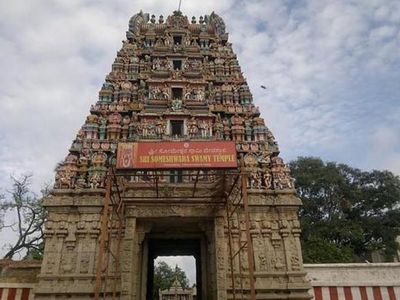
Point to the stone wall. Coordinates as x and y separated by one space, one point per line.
372 281
377 281
18 279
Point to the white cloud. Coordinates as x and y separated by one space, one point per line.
56 56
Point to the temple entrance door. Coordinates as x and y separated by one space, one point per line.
173 247
189 240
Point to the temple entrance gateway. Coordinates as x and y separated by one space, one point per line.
182 219
174 157
188 240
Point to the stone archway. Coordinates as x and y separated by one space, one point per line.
174 236
158 246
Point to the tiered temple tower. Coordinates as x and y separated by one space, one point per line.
174 80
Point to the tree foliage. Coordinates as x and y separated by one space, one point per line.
164 277
24 214
347 213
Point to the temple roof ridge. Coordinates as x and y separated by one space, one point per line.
177 19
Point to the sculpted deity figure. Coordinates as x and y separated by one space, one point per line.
270 137
203 128
281 174
134 126
160 127
236 97
151 129
168 41
95 181
194 43
218 96
193 128
91 127
165 93
71 160
125 127
200 95
218 128
236 120
99 159
254 146
83 163
267 179
103 128
255 179
237 127
272 144
248 129
187 41
142 91
227 129
81 182
159 42
176 74
226 88
154 93
64 179
191 95
144 126
114 127
283 181
156 64
264 158
176 105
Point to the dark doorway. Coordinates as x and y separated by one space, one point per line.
177 64
177 40
173 247
177 93
177 128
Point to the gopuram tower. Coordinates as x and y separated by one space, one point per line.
173 159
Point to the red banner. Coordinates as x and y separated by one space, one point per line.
177 155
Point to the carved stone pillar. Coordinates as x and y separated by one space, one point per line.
220 257
129 259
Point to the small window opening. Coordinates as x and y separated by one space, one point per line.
177 64
177 93
177 40
177 128
175 176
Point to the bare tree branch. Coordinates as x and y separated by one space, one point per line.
30 217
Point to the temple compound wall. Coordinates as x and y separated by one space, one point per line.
18 279
354 281
72 236
371 281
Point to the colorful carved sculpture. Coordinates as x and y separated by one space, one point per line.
142 90
175 79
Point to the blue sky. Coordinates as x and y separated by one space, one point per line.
331 68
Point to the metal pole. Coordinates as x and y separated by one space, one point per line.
230 247
240 256
195 182
250 254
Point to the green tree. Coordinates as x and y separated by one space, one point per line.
164 277
347 213
26 214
